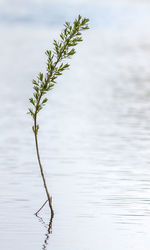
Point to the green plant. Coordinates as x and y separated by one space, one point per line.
56 64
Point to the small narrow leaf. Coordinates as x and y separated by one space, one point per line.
41 77
32 101
44 101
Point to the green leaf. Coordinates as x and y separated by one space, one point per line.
31 112
66 66
32 101
36 88
71 52
34 82
41 77
44 101
36 95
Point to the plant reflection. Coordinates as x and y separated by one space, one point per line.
49 230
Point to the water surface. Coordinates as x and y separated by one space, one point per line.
94 134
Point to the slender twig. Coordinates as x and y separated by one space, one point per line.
41 207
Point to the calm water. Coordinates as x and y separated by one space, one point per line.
94 132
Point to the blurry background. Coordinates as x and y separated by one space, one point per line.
94 132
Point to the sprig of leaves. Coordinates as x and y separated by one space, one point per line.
63 49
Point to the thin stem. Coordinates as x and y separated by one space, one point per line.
41 207
42 172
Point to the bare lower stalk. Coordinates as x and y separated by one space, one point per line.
42 174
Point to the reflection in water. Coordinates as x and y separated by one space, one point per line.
49 230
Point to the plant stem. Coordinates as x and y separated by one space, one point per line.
41 207
42 172
63 49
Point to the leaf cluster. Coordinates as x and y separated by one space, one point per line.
64 48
